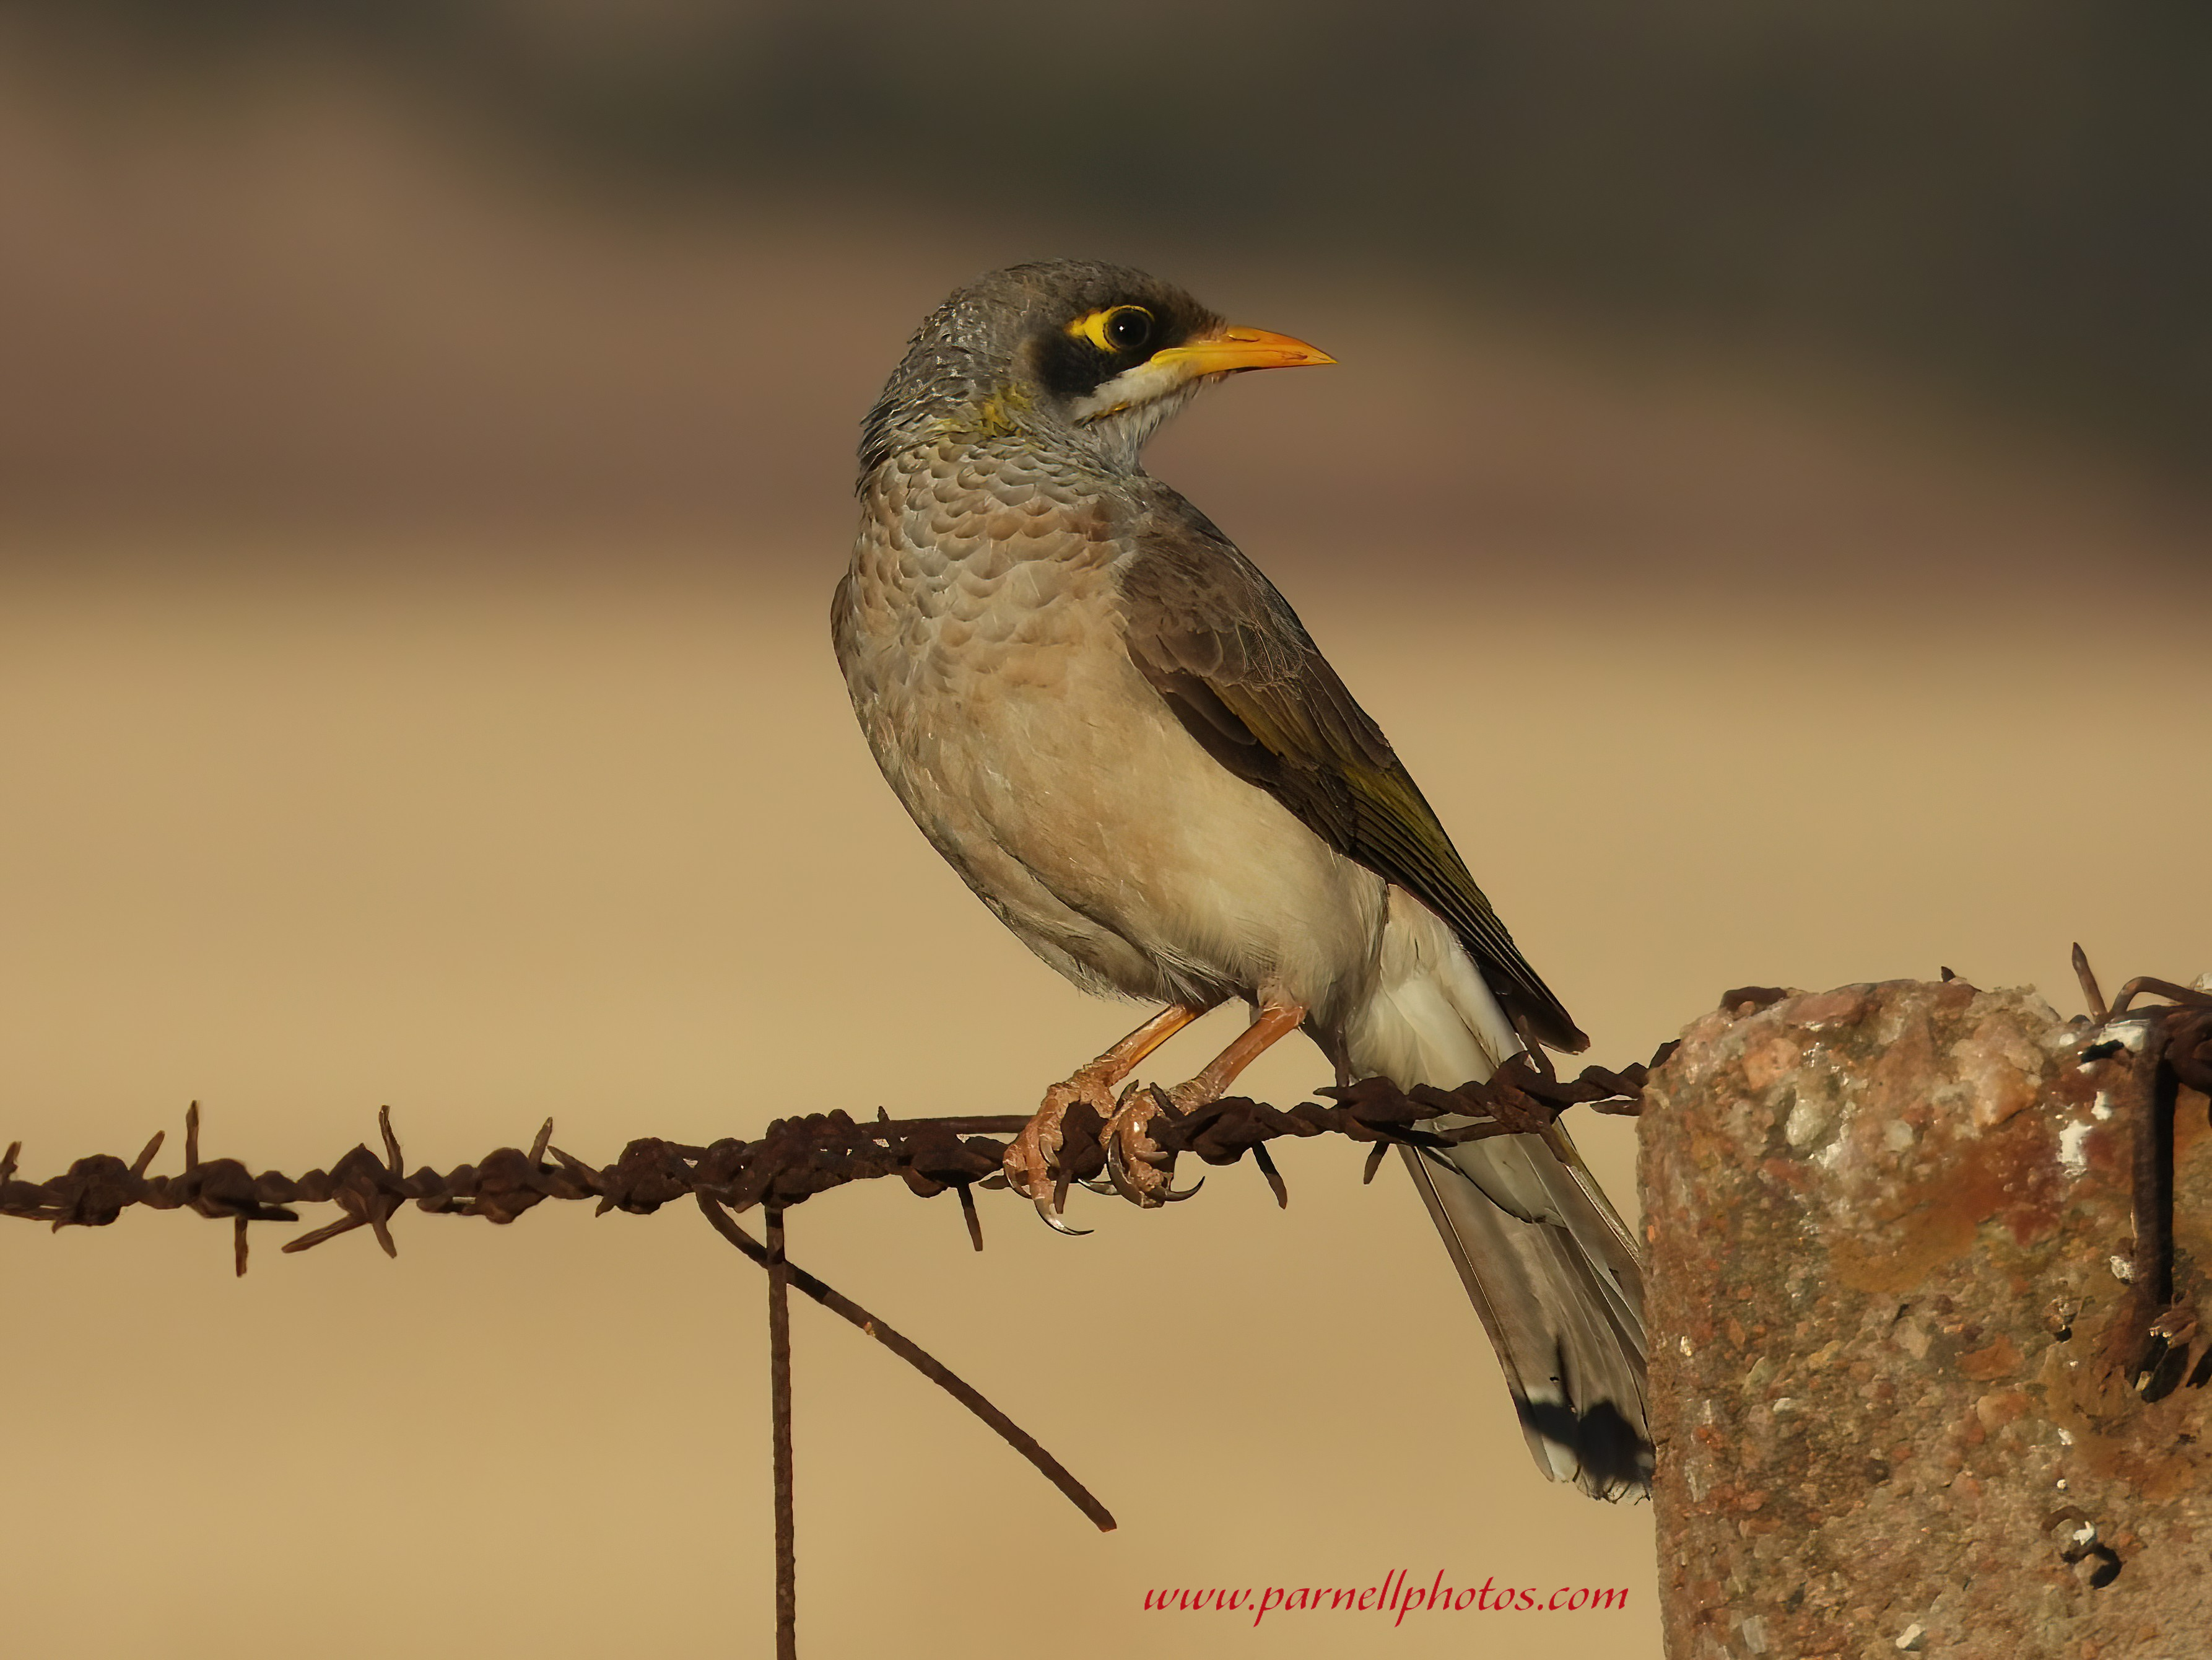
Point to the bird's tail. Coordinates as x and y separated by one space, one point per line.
1554 1271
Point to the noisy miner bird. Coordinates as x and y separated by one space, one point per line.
1122 737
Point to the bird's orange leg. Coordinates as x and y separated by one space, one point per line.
1132 1159
1031 1162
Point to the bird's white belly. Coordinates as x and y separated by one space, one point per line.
1043 765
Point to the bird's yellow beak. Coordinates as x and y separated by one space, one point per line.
1229 348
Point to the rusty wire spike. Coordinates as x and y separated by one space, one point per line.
1274 1177
569 1162
1374 1162
191 1138
391 1159
331 1231
967 1211
2092 997
537 1147
238 1244
8 1163
145 1156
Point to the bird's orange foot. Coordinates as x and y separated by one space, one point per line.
1141 1172
1032 1163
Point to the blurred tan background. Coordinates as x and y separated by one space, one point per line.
1762 495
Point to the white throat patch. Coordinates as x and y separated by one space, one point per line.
1147 383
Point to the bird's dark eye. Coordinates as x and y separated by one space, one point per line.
1129 327
1119 329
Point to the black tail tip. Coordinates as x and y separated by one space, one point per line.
1612 1456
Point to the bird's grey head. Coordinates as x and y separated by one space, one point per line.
1071 354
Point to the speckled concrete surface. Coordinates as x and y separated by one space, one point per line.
1889 1225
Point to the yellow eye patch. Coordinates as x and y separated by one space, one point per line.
1117 329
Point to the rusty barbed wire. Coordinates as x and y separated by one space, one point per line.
792 1160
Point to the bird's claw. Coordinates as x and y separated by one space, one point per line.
1047 1191
1032 1161
1171 1194
1117 1178
1050 1208
1138 1168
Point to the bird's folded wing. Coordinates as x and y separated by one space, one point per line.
1231 658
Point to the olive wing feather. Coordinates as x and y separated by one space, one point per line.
1230 657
